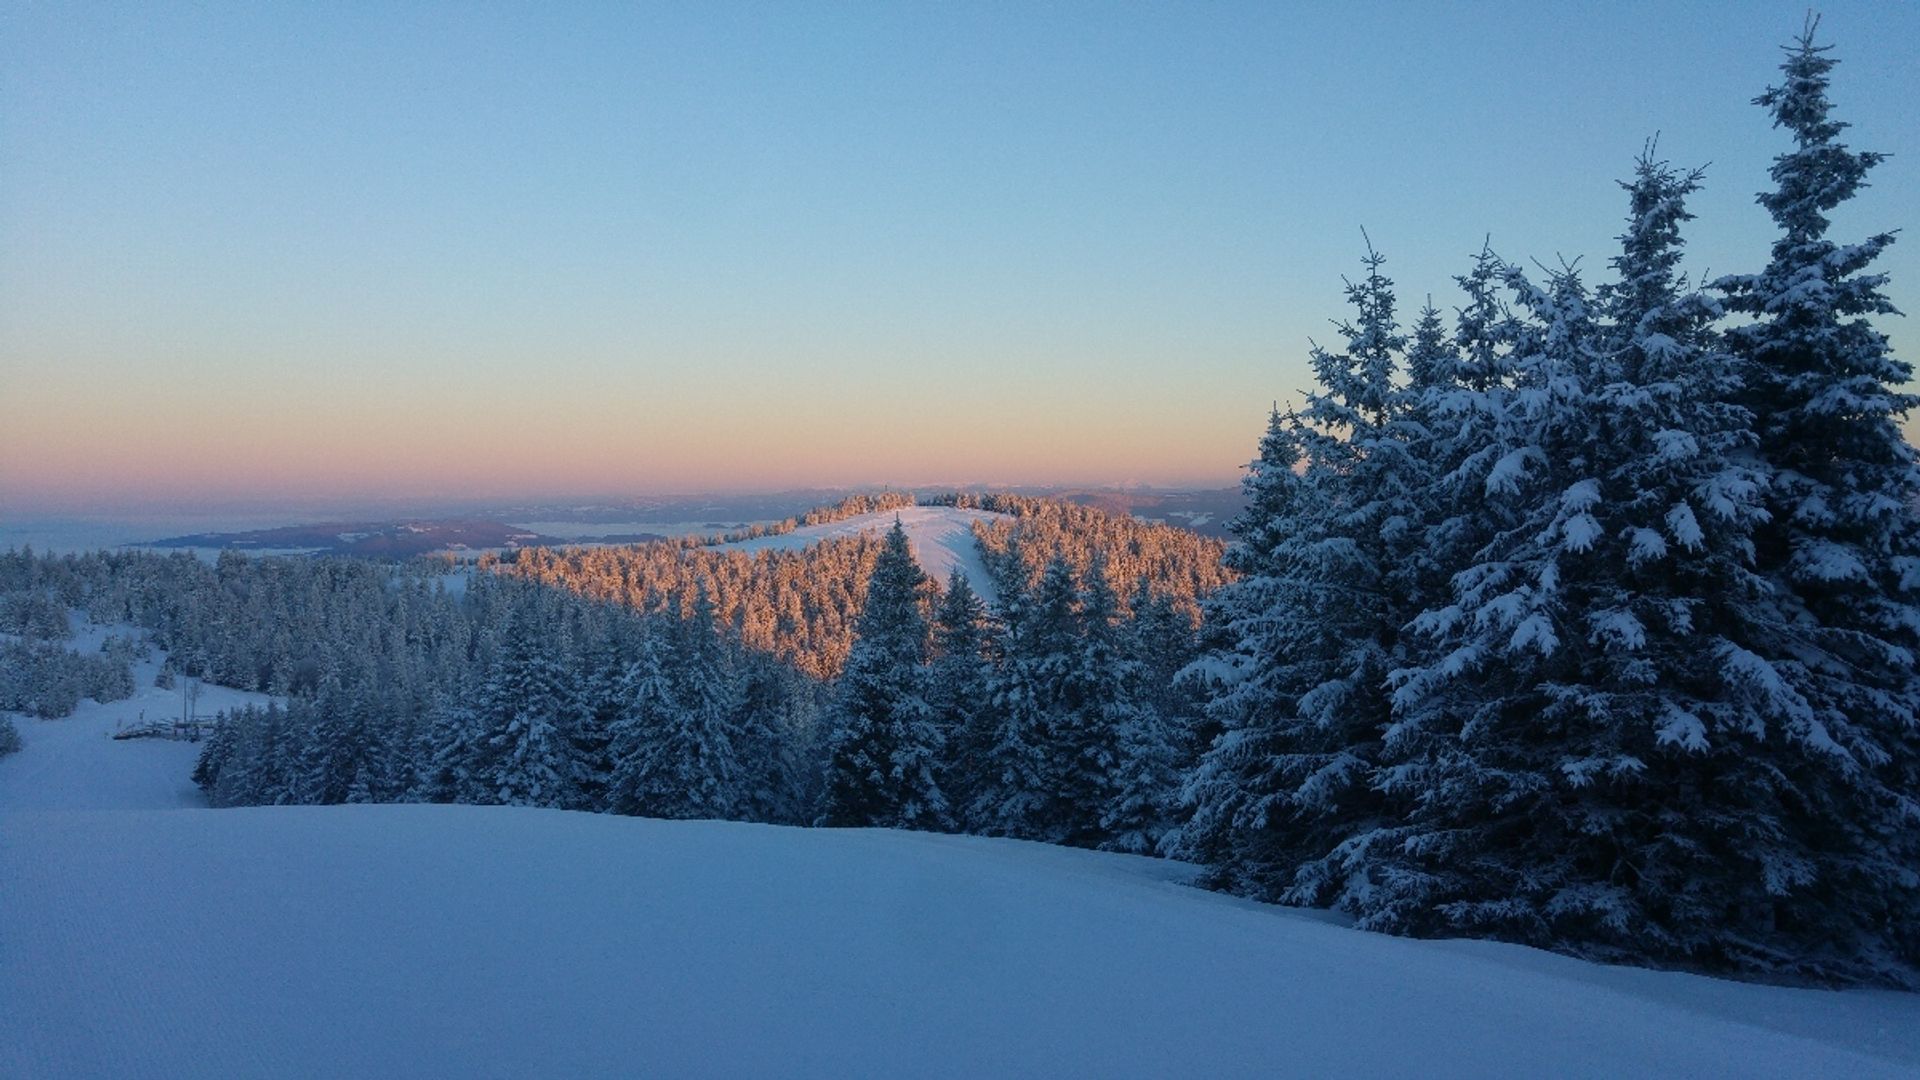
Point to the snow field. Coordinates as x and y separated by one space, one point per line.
484 941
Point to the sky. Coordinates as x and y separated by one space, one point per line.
381 251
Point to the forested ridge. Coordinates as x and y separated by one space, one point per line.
801 605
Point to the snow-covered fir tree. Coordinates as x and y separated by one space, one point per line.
445 773
1332 558
1100 719
886 743
521 756
600 700
344 755
678 758
1842 547
774 710
1152 728
646 702
957 687
1010 793
1046 661
1596 705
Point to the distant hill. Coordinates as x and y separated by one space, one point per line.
378 540
1205 512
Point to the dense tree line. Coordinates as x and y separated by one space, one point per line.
560 703
799 605
33 614
48 680
1167 560
1052 716
851 506
1590 620
39 674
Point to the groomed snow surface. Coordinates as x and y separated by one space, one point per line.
941 538
445 941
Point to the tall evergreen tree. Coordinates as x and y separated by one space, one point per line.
1011 790
1334 558
1100 720
1595 705
647 703
886 744
687 763
1141 712
957 687
343 749
521 756
446 774
1843 545
599 703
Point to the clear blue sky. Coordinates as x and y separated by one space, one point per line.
502 249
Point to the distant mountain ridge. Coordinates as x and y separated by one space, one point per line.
641 520
375 540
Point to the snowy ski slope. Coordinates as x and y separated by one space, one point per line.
941 538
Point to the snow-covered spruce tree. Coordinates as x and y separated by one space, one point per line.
1011 792
262 768
646 696
1598 752
344 754
1099 783
886 745
1142 712
599 702
957 687
1240 674
679 758
1163 640
215 752
767 718
445 773
521 756
1537 701
1843 544
1332 558
1046 660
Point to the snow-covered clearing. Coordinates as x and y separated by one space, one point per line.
75 764
448 941
941 538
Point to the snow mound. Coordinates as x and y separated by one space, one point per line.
941 538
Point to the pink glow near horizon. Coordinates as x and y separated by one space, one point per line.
54 458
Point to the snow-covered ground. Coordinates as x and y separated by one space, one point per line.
75 764
941 538
445 941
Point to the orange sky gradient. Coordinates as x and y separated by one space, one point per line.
379 253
